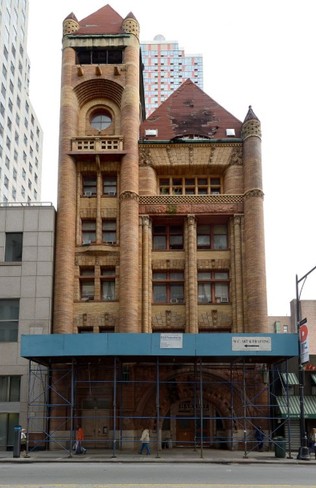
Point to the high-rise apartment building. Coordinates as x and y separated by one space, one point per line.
20 132
166 67
160 313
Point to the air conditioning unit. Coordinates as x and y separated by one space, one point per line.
88 193
86 242
110 242
111 193
224 300
173 300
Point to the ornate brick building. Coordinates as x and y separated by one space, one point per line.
159 231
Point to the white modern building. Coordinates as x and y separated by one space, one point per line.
20 132
27 234
166 67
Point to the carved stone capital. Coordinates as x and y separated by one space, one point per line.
255 192
129 195
191 220
146 221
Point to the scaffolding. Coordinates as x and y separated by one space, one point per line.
196 403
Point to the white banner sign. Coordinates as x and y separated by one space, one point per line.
171 341
251 344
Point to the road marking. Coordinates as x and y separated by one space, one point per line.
152 485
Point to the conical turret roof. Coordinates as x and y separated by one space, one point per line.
250 115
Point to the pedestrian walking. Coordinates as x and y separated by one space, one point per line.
23 443
259 438
79 438
145 440
313 441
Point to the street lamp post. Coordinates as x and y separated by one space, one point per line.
303 452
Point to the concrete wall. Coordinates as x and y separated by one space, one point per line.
30 281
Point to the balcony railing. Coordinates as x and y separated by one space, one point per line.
190 199
97 144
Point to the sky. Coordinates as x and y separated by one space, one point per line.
255 52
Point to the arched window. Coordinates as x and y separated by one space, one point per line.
100 120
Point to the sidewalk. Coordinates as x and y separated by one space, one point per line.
173 455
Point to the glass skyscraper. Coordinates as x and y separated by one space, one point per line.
20 132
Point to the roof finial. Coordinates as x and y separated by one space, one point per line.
250 115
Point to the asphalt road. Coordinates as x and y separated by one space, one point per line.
151 475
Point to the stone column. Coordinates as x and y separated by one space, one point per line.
238 274
98 215
146 273
255 272
191 276
129 199
66 203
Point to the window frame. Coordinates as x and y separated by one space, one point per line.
109 185
88 234
89 185
211 235
13 240
107 278
170 284
109 235
9 319
87 283
168 233
10 388
184 185
208 287
98 56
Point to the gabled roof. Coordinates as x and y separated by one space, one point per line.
189 112
104 21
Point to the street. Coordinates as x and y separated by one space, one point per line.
135 475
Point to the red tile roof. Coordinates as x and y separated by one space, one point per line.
104 21
190 112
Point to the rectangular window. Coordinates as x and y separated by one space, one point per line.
109 231
108 284
110 185
212 236
166 237
13 246
190 186
9 320
88 231
99 56
87 283
85 330
10 388
213 287
89 185
168 287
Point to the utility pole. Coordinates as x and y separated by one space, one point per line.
303 452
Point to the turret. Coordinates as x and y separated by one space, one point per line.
255 275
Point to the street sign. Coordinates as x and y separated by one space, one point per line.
251 344
304 345
302 322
